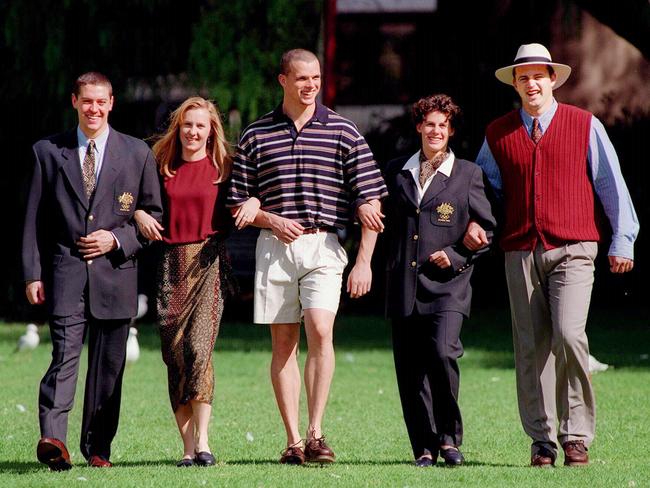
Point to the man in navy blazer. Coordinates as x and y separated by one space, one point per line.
79 259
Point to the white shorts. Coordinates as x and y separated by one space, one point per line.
292 277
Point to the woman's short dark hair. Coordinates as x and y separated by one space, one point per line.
436 103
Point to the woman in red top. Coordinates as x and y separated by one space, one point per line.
193 273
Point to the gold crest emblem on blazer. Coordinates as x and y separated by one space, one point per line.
125 200
444 212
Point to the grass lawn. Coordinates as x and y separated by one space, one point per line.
363 422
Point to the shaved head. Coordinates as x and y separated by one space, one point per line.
295 55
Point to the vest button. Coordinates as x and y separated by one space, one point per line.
414 264
417 211
91 218
416 237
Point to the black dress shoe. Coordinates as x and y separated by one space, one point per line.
185 463
424 462
204 458
452 456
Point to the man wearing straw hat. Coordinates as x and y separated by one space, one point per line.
556 173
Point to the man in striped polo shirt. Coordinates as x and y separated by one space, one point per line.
311 170
554 166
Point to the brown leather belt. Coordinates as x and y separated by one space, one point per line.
316 230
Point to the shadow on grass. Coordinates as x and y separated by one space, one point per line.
21 467
343 462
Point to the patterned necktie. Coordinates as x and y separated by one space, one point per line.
536 133
89 169
430 166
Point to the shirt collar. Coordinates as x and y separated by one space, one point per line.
445 168
544 119
320 113
100 141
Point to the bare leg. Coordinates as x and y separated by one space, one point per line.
202 412
285 376
319 366
186 427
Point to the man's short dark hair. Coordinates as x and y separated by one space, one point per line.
436 103
295 55
92 78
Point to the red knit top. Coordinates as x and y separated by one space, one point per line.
195 206
548 192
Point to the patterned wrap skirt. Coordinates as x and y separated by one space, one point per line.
193 282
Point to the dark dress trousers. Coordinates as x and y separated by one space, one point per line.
86 297
427 304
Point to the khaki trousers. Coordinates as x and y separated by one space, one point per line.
549 294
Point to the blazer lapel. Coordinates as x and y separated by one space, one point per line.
438 183
111 166
71 168
407 185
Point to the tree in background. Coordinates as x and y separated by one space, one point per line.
236 49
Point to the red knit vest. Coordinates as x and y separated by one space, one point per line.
548 192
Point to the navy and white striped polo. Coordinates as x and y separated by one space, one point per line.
311 176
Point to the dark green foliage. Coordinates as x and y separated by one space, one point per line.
237 46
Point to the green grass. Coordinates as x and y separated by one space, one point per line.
363 422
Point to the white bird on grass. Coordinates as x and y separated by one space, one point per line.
29 340
596 366
142 306
132 346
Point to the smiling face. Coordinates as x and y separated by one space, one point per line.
534 85
435 132
301 84
93 103
194 132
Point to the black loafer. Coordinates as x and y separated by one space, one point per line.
424 462
204 458
452 457
185 463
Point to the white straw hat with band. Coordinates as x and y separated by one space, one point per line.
533 54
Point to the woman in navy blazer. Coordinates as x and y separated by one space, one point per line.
432 198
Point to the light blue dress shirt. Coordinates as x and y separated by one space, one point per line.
605 173
100 149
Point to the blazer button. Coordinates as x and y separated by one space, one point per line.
417 211
91 217
414 264
416 237
90 261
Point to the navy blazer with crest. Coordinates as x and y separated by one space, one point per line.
417 229
59 213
